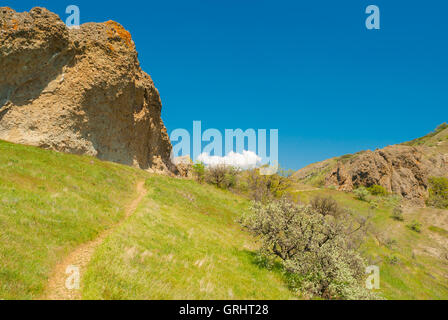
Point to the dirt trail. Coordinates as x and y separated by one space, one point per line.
80 257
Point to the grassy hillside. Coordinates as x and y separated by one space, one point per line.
50 203
183 241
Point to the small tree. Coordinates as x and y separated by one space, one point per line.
221 175
325 206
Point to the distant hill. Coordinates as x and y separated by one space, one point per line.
402 169
438 138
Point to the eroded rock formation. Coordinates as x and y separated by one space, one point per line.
79 91
400 169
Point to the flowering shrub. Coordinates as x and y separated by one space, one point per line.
320 250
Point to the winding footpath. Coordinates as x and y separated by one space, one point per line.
80 257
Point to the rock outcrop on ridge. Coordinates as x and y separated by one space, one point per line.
79 91
402 169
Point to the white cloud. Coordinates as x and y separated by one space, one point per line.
245 160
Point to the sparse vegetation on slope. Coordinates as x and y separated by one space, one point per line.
314 174
438 135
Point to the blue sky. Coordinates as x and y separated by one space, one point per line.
310 69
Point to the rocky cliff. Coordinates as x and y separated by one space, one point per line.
401 169
80 91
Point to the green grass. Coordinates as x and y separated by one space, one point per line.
182 243
49 203
406 270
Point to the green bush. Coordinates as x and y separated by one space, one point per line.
199 171
361 193
377 190
438 192
415 226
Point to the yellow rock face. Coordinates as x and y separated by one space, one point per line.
79 91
